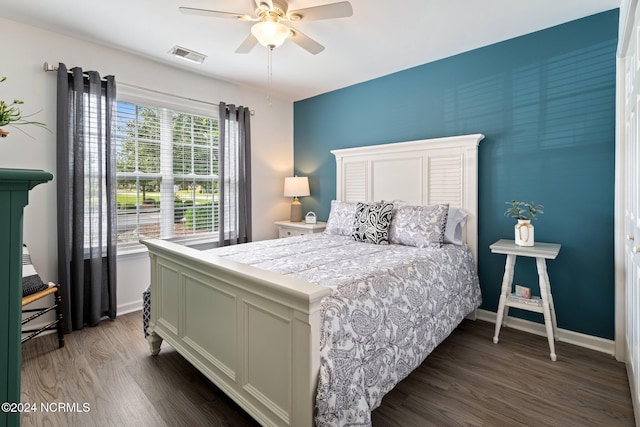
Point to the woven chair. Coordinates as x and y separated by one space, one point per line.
33 289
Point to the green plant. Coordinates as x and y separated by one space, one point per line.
11 115
199 217
523 210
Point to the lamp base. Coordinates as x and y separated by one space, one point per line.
296 211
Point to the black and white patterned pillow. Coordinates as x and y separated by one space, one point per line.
146 310
419 226
31 281
371 223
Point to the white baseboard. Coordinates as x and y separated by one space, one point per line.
564 335
129 307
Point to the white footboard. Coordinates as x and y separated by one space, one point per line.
253 333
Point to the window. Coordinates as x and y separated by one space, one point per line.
166 173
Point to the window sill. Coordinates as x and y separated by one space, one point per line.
132 252
139 250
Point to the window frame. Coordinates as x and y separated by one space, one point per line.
149 98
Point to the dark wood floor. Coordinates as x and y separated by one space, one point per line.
467 381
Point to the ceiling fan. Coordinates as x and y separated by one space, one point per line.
269 29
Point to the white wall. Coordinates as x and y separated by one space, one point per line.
26 48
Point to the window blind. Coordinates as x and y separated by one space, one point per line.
167 173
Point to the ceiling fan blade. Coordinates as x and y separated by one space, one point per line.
215 13
342 9
305 42
264 4
249 43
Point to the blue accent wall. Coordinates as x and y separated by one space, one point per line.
546 104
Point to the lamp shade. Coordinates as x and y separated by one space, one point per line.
270 33
296 186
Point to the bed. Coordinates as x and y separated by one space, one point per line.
279 344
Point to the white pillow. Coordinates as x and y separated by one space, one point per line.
455 221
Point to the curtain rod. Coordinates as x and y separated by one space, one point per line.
49 67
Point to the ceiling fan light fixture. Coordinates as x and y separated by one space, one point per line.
270 34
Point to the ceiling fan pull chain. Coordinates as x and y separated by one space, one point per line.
269 74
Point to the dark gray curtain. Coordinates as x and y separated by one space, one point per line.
87 229
234 185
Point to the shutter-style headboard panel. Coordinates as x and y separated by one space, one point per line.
355 174
428 171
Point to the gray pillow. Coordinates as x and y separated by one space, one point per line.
341 217
419 226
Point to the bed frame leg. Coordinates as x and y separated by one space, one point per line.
155 341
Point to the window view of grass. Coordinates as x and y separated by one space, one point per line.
130 199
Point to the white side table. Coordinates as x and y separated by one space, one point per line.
541 252
288 228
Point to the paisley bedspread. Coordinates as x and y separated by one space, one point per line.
390 306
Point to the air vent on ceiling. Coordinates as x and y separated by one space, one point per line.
187 55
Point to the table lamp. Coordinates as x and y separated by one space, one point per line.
296 186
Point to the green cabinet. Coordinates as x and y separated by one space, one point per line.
14 196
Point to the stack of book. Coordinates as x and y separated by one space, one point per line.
522 295
528 301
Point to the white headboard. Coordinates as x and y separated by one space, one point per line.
428 171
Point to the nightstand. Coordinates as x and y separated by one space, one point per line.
541 252
288 228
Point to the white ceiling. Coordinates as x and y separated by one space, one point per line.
380 38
